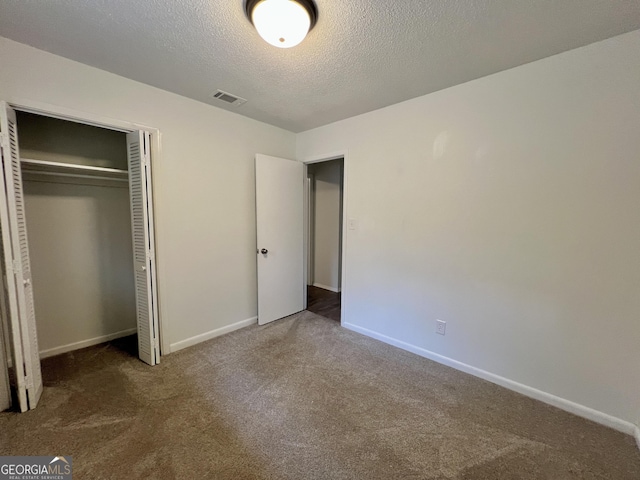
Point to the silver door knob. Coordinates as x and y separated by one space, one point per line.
264 251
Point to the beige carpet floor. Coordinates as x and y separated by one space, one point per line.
300 399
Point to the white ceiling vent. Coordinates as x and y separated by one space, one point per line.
229 98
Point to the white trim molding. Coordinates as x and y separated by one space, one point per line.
326 287
64 113
203 337
51 352
561 403
637 435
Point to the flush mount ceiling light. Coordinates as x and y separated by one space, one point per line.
282 23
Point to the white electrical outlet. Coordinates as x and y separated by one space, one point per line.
441 327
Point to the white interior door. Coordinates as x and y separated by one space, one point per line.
17 268
138 151
280 189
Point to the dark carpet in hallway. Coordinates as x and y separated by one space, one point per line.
301 398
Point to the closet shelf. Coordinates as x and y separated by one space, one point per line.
42 167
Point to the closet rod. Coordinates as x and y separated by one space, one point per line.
76 175
43 167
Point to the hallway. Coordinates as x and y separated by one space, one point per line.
323 302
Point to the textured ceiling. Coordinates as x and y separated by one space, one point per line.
362 54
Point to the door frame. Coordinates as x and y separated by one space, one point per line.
344 155
309 195
63 113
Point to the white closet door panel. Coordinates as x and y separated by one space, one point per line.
17 266
143 246
11 321
5 389
152 278
4 298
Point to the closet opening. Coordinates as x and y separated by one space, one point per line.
76 192
77 243
324 192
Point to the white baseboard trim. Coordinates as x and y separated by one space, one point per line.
637 435
203 337
51 352
566 405
325 287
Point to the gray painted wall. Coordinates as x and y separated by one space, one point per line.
205 249
508 207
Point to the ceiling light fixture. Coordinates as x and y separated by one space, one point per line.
282 23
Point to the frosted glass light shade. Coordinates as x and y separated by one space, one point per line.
282 23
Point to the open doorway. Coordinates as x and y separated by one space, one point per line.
325 192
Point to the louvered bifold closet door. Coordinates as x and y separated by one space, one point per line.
17 268
9 297
5 390
138 144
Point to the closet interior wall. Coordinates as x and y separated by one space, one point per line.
79 232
